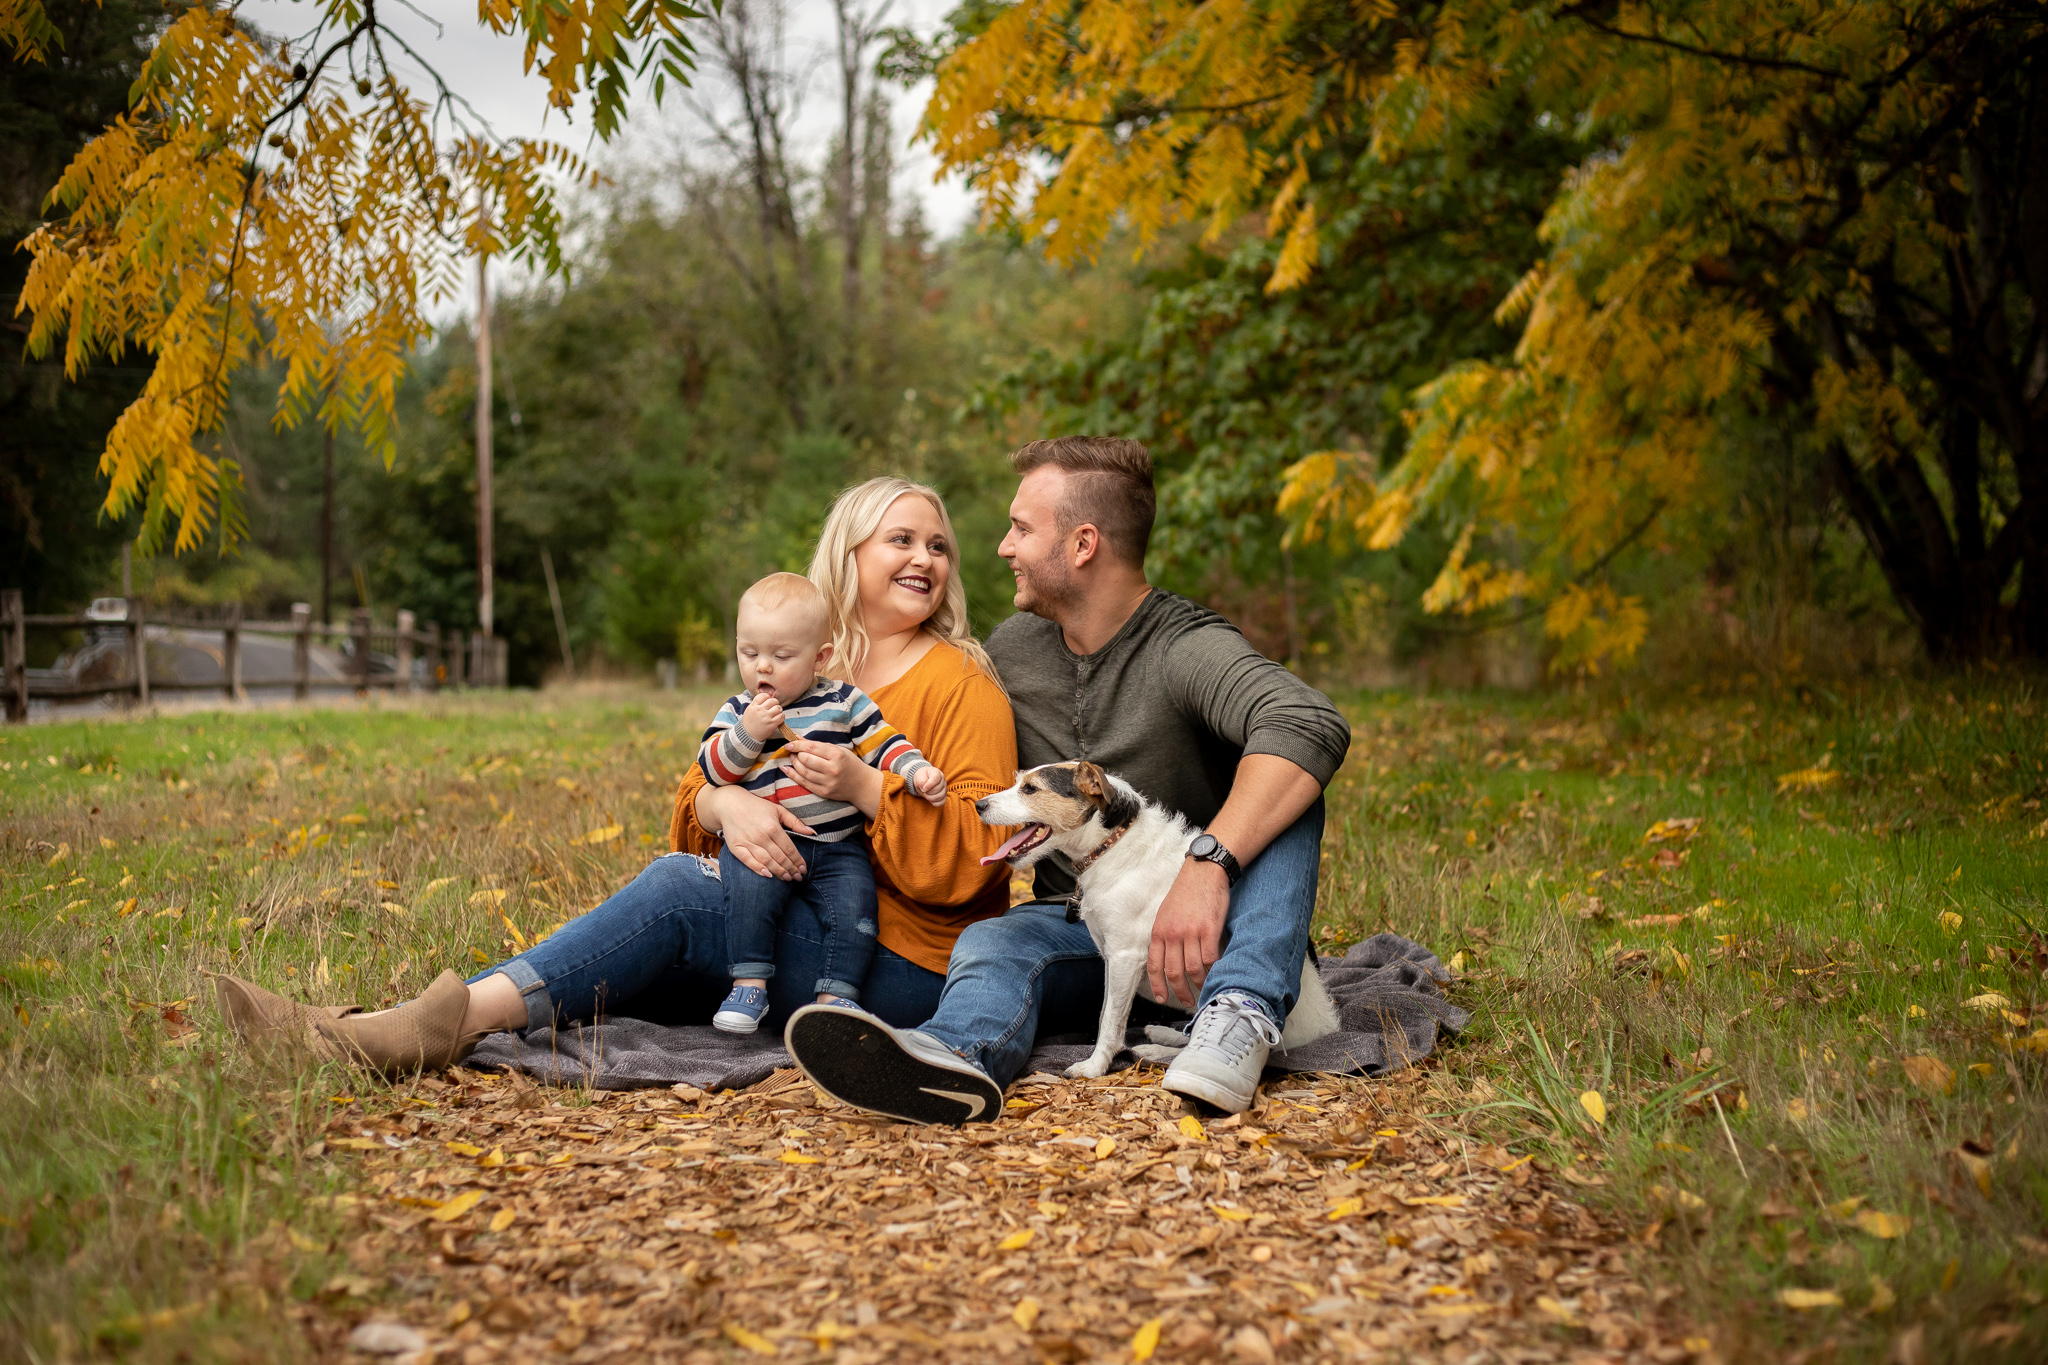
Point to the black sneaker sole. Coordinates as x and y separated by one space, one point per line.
855 1059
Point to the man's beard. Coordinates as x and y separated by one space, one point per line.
1046 587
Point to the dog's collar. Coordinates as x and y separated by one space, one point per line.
1074 897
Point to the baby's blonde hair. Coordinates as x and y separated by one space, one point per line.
857 514
792 590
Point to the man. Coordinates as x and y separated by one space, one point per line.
1166 694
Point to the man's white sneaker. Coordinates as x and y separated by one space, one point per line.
1225 1055
859 1060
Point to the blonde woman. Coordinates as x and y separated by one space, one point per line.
888 564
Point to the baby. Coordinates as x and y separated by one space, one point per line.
785 643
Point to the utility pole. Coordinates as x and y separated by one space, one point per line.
483 443
327 534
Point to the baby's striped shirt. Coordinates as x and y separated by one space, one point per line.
831 712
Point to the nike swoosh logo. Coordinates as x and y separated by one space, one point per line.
978 1102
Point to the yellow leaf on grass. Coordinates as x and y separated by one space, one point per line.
1808 779
1846 1207
391 907
1929 1073
464 1148
502 1219
1915 1012
1230 1215
1881 1296
1344 1208
358 1144
1191 1127
1979 1169
459 1205
1552 1308
1949 920
1983 1069
1804 1299
1146 1339
435 885
1025 1313
1884 1225
1594 1105
1016 1241
602 835
752 1341
797 1159
1104 1148
1989 1000
488 897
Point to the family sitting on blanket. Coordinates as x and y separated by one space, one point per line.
1096 664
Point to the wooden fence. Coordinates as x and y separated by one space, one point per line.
453 658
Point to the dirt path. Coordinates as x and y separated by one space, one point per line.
1092 1223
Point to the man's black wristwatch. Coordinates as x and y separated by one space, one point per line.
1208 850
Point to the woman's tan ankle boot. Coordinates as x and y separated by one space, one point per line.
424 1034
270 1024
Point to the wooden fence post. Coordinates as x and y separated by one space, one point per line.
138 646
404 652
231 653
359 642
501 656
14 670
437 663
302 649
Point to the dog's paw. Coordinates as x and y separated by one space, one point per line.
1092 1069
1166 1037
1155 1052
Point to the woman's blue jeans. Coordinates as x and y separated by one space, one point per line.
657 950
1032 974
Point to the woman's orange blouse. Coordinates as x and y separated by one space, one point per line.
929 881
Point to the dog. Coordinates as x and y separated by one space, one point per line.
1126 852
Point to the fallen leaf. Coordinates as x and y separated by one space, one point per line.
1552 1308
459 1205
1929 1073
502 1219
1439 1201
1798 1110
1025 1313
1949 920
1104 1148
1344 1208
1016 1241
752 1341
488 897
493 1160
392 907
1146 1339
797 1159
1979 1170
1844 1208
1989 1000
1594 1105
1230 1215
1191 1127
463 1148
1884 1225
1881 1296
603 835
1804 1299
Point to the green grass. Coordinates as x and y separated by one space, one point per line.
1748 1056
157 1202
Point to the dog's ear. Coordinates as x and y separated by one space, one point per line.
1092 783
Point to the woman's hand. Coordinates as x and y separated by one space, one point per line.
836 773
756 831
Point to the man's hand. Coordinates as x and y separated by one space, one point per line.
762 715
1187 936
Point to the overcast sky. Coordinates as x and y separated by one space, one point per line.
485 69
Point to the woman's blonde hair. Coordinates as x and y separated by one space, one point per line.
856 515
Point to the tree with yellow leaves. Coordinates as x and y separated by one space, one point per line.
297 201
1828 216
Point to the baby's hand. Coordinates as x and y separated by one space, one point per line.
931 785
762 716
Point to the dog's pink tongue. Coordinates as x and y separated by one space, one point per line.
1009 845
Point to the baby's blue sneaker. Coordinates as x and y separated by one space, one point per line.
742 1010
840 1002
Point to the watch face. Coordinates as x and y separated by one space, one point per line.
1203 846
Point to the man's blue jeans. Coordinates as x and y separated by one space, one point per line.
1031 973
657 950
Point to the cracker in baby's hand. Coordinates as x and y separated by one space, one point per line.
787 733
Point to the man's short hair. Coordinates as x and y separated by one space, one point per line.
795 592
1109 484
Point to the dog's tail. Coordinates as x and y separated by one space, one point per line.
1315 1013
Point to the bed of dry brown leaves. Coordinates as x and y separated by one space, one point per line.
1095 1221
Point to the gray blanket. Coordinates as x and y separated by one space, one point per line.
1386 989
